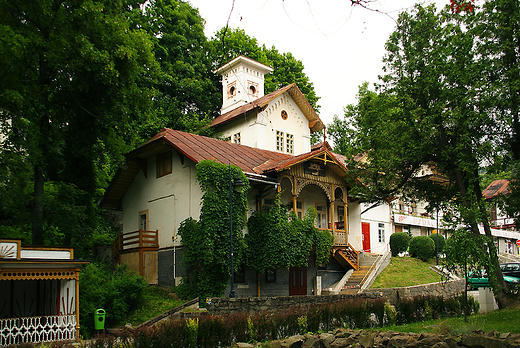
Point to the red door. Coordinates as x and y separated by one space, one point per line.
297 281
365 229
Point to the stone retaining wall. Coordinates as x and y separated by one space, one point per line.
224 305
445 289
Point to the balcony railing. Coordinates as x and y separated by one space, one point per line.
37 329
136 240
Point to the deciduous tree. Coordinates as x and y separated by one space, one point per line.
430 112
76 78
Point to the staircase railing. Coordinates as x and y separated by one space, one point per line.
349 255
372 272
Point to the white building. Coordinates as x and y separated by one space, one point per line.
268 138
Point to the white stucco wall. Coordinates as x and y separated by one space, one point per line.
259 130
375 216
355 238
169 200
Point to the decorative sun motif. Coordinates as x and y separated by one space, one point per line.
6 251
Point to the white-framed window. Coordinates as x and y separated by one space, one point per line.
290 143
381 232
236 138
279 140
143 220
321 216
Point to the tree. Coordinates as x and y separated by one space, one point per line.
429 112
498 30
188 95
76 78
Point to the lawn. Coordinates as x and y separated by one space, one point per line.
406 271
504 320
157 300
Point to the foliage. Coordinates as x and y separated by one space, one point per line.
156 300
439 242
225 330
74 67
399 242
207 241
188 96
462 250
278 239
421 308
434 110
422 247
116 290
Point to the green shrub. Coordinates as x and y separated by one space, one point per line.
399 242
116 290
441 241
422 248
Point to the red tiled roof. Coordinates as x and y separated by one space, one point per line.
262 102
198 148
497 187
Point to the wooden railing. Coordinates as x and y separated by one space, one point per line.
347 256
137 239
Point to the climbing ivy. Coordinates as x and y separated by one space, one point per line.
207 242
275 238
278 239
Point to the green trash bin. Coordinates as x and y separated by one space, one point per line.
99 319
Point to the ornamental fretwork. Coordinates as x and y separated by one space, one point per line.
37 329
302 182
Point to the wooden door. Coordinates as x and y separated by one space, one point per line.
297 281
365 229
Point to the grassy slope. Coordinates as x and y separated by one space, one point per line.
405 271
157 300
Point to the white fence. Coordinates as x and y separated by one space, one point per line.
37 329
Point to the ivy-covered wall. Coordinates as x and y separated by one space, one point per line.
275 239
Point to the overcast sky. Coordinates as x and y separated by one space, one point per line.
339 45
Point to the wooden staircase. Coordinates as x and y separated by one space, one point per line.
347 256
359 276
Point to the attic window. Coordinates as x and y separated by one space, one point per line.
231 90
284 115
252 88
164 164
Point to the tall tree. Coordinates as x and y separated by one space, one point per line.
75 79
499 32
188 97
429 113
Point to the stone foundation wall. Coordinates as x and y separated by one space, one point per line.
224 305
